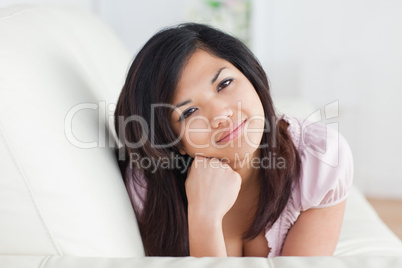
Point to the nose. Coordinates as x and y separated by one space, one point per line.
221 117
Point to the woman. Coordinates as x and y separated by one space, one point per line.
211 169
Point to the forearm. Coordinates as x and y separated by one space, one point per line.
205 236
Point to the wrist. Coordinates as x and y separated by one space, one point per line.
205 216
205 233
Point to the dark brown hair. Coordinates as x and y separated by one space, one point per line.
152 79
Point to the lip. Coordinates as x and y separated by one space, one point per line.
232 134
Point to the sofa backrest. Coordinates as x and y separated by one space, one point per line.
61 192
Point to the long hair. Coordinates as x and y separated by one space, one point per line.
152 79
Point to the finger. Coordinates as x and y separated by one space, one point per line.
224 165
214 160
199 161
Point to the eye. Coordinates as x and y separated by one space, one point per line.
187 113
224 83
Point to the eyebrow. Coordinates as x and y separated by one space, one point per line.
217 75
212 82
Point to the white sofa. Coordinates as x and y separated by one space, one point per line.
62 199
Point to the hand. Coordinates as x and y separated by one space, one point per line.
212 188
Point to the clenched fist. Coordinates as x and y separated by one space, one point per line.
212 188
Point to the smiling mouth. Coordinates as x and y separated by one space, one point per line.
233 134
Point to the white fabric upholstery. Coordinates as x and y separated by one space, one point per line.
155 262
61 193
186 262
363 233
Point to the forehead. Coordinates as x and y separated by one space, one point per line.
198 72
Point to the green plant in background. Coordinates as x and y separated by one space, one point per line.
213 4
232 16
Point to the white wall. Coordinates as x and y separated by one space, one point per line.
348 51
317 50
134 21
85 4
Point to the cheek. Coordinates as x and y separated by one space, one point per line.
254 130
255 110
249 98
255 103
197 132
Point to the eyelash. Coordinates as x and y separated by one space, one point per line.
222 85
225 83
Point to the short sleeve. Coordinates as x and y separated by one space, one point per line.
326 166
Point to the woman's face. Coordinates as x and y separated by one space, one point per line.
219 113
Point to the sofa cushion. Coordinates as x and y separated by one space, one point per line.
61 192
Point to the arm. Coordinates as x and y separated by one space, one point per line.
205 236
315 232
211 191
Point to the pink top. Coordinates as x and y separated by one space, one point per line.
326 176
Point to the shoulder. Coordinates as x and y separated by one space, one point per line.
326 164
